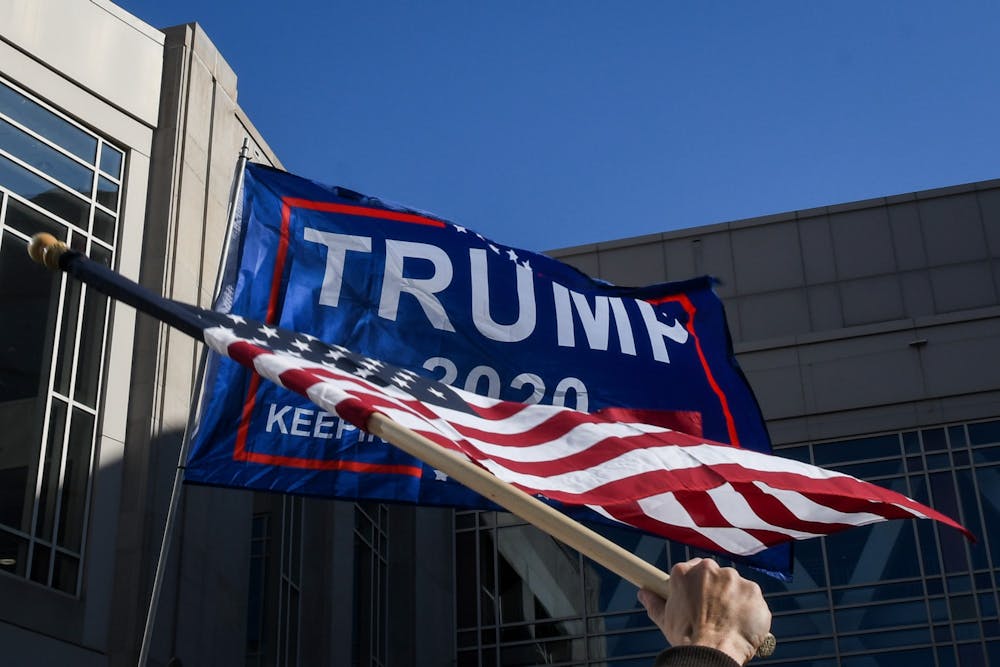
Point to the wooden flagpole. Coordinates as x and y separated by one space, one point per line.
596 547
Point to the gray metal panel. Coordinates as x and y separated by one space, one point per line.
869 300
767 257
773 314
989 205
918 297
862 243
634 265
952 229
817 250
825 309
962 357
679 259
907 235
962 287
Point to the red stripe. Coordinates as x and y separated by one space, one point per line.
734 438
630 513
363 211
703 511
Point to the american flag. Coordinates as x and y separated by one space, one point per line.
706 494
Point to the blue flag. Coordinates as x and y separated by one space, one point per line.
439 299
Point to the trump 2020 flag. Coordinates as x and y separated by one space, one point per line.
446 303
646 476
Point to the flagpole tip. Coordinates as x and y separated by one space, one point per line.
46 250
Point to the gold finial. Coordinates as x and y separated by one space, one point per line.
46 250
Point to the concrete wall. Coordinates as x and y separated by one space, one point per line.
848 319
63 52
202 614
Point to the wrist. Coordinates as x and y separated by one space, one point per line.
733 644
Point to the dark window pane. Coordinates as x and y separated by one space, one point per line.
938 462
986 454
64 577
46 159
465 579
50 470
30 222
956 436
934 439
878 593
879 640
75 480
13 553
91 343
104 226
873 617
872 554
28 297
107 194
47 195
111 161
881 446
100 254
984 433
44 122
911 442
67 336
40 564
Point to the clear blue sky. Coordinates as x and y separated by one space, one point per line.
546 124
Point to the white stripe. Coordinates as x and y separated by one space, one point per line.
666 508
737 511
808 510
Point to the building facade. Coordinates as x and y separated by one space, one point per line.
870 332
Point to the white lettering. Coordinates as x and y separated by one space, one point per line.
321 429
337 246
492 381
301 421
342 426
423 289
275 416
537 387
596 323
659 330
481 316
579 391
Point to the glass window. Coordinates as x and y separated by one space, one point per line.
48 414
112 160
40 120
45 158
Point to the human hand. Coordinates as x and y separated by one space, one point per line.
711 606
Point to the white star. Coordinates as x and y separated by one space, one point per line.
335 354
400 381
494 249
236 318
372 364
440 476
363 373
512 255
268 331
481 237
436 392
300 344
526 265
309 336
460 229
